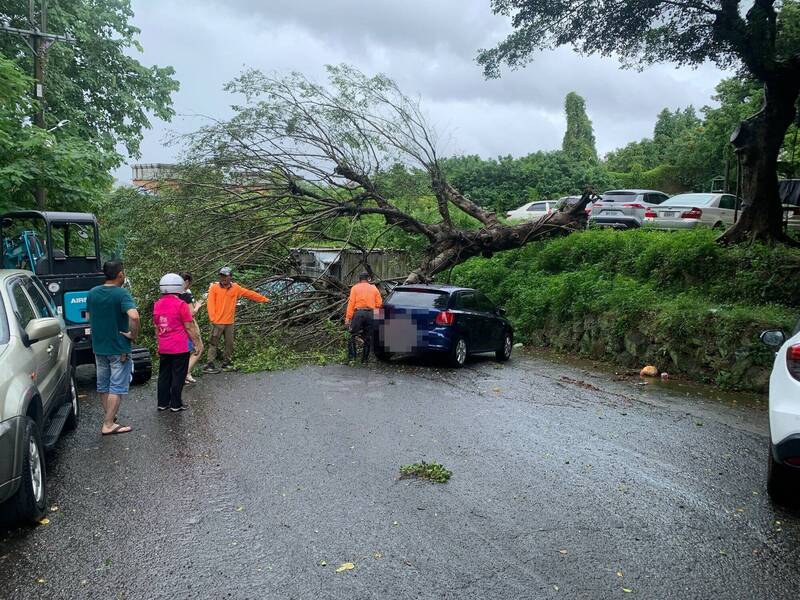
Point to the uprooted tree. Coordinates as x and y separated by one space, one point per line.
762 37
300 157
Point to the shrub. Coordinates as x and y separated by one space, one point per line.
675 298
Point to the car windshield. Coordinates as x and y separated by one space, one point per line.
689 200
418 299
537 206
621 197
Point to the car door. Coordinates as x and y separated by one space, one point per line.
44 307
467 320
491 329
42 355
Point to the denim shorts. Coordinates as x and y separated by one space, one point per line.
113 375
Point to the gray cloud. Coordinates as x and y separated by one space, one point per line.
428 47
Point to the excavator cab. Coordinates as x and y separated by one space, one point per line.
63 250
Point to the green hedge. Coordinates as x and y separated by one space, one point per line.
674 299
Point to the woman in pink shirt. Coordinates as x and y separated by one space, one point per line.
175 326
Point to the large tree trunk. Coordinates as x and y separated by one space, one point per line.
757 143
457 246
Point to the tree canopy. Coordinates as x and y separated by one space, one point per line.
686 32
96 83
74 169
579 143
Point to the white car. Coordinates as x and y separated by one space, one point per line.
533 210
686 211
783 479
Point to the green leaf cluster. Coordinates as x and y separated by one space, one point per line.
423 470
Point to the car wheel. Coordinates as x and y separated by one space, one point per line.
72 398
28 504
504 352
382 355
458 352
782 483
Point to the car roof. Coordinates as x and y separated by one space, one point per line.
6 273
635 191
702 194
428 287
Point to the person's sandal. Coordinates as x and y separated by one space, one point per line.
190 379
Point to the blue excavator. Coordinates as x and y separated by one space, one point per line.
63 250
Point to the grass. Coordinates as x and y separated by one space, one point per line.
424 470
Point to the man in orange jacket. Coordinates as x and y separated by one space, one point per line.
364 300
221 303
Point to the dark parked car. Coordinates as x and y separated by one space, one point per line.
447 320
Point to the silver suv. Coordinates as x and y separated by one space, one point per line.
38 399
623 209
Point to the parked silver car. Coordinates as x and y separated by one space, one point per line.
532 210
38 399
686 211
623 209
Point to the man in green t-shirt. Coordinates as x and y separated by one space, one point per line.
115 323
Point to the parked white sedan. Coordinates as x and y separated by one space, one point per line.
783 478
533 210
685 211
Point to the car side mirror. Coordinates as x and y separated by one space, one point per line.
41 329
500 311
774 338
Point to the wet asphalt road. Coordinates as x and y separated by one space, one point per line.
565 484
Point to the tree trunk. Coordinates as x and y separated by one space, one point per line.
461 245
757 142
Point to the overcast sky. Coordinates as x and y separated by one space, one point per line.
427 46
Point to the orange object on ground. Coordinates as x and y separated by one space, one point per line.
362 295
221 302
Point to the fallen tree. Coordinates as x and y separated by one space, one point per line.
298 158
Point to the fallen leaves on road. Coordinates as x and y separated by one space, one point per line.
627 590
323 563
348 566
562 551
40 580
579 383
377 555
44 521
620 574
239 508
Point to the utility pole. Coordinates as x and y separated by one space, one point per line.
38 40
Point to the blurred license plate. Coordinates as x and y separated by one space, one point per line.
668 214
612 213
87 331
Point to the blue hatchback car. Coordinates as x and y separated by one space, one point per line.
450 321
